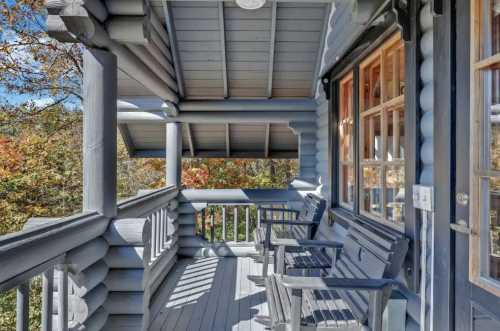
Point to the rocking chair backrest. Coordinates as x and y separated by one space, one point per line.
312 211
369 252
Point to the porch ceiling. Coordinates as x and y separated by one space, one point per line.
248 140
206 52
226 51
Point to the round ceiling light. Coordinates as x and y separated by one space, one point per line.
250 4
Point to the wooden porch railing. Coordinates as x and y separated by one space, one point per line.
70 256
234 222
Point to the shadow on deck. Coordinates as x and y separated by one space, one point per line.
211 294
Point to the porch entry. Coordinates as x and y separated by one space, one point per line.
475 201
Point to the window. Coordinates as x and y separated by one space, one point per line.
485 192
346 142
380 122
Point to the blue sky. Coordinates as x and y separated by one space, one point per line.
7 34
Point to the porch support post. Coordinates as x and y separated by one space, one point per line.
174 154
99 131
306 132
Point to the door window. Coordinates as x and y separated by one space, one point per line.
485 96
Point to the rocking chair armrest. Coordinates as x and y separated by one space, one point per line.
307 243
279 210
332 283
287 222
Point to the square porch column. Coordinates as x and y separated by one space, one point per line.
99 131
174 154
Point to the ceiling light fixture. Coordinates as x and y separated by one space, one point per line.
250 4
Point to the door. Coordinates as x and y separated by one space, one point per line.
476 200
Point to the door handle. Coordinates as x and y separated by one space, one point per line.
461 227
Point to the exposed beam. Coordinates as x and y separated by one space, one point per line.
169 22
190 139
160 153
228 141
219 117
82 24
326 22
127 138
287 105
222 37
271 51
267 140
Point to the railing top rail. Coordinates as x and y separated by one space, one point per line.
25 250
44 229
240 196
143 197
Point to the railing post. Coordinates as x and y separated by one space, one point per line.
22 307
247 224
224 223
47 299
235 225
99 131
212 227
203 223
62 292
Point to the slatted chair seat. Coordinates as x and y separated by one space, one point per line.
308 259
320 308
354 294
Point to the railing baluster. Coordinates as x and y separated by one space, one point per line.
62 292
153 225
159 215
22 307
158 231
235 221
47 299
212 227
224 223
247 224
258 216
203 223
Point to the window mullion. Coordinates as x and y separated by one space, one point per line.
384 159
356 137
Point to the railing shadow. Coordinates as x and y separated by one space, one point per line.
210 294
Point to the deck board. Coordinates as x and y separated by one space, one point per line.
211 294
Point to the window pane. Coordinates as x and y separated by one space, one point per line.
394 72
395 135
491 28
372 193
347 184
395 191
346 121
493 79
371 89
494 228
372 132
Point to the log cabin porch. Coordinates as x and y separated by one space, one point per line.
345 87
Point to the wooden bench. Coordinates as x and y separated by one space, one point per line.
302 225
352 297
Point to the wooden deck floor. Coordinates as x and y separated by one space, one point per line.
212 294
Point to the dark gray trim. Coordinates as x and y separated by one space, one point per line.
462 148
444 175
333 143
412 143
355 158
